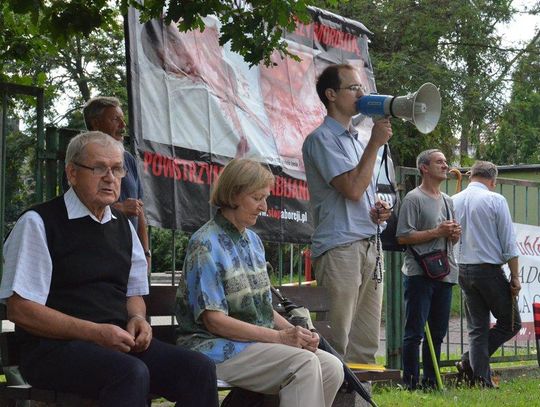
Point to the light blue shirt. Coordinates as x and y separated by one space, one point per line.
488 234
331 150
28 264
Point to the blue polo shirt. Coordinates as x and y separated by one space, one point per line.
331 150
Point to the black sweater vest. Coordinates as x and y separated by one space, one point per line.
90 264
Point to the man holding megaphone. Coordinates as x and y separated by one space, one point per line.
346 213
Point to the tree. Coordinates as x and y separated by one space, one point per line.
19 186
452 44
517 135
71 71
253 27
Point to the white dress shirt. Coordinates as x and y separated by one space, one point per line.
27 268
488 234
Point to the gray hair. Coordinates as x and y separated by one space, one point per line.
239 176
425 157
76 147
95 106
484 169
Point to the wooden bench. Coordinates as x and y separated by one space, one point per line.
160 308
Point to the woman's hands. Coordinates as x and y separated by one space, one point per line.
299 338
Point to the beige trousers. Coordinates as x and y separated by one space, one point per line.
300 377
355 303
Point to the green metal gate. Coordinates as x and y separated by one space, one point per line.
8 92
523 198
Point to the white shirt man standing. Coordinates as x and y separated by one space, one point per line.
488 241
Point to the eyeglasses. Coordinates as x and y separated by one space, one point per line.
354 88
99 171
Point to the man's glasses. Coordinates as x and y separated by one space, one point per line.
354 88
99 171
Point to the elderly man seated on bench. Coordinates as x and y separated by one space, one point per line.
74 275
224 306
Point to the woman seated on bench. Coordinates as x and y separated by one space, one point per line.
224 306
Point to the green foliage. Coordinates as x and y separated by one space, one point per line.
19 166
452 44
71 70
162 249
254 28
61 20
517 136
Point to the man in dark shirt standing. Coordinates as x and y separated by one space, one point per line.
104 114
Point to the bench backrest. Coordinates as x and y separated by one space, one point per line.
9 348
160 303
315 299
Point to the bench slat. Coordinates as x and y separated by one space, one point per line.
160 301
315 299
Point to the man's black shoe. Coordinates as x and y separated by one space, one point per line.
465 372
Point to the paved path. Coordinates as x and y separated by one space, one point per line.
454 336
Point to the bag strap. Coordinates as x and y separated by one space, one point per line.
446 206
384 163
414 252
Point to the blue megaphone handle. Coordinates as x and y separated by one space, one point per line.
372 105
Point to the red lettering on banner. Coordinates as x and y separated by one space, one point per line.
328 36
274 213
277 190
324 35
202 170
147 160
157 165
529 247
192 172
290 188
204 173
316 28
336 38
168 169
177 170
215 171
303 192
184 169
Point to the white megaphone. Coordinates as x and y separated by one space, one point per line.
422 108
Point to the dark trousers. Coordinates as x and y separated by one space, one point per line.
425 300
118 379
486 290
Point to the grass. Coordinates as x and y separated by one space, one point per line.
519 391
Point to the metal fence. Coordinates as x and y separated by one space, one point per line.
523 198
292 263
9 93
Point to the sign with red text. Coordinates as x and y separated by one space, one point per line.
528 239
196 105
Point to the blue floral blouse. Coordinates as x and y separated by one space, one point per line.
224 270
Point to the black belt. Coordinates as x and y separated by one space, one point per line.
370 239
482 265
